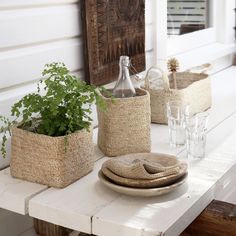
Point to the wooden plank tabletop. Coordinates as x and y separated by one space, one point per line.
15 193
89 207
171 214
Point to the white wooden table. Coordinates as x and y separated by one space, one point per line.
90 207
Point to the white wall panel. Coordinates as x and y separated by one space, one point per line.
11 4
9 97
4 162
26 64
149 37
149 14
30 26
149 59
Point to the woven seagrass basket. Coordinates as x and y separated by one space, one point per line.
125 126
192 88
52 161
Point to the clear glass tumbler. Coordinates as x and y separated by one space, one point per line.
176 114
196 129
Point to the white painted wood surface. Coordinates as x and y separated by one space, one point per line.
6 4
37 25
73 206
171 214
15 193
180 44
121 215
18 60
115 214
199 56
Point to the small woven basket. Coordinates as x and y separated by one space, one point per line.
125 126
193 89
52 161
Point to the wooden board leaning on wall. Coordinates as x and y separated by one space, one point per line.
111 29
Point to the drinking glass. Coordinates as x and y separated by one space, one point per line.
176 114
196 129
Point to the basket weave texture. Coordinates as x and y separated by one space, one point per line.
125 126
144 170
193 89
52 161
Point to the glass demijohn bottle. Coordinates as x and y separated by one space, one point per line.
124 87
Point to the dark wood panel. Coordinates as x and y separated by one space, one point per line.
218 219
111 29
43 228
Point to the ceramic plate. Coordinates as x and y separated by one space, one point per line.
141 192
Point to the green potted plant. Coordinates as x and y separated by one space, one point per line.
51 131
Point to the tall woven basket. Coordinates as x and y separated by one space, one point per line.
192 88
125 126
52 161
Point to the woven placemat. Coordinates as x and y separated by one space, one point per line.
144 170
142 183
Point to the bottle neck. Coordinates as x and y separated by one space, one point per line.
124 71
124 87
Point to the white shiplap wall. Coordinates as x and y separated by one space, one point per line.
33 33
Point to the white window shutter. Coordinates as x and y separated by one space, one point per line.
186 12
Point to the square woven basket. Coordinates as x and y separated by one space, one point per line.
193 89
125 126
52 161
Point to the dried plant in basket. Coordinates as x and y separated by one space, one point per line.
173 67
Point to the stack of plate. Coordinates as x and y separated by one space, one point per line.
143 174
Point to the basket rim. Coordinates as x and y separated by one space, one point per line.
182 89
146 94
51 137
192 73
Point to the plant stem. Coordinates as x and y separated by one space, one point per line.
175 80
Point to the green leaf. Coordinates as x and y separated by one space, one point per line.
63 107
